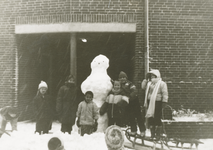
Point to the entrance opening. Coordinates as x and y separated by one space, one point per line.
47 57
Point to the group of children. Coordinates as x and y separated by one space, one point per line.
122 107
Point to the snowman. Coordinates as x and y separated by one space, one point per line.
100 84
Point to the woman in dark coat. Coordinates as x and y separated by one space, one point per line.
67 104
44 109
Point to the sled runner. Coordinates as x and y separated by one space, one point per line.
138 141
165 138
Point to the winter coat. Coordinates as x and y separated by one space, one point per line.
87 113
67 104
5 117
115 105
162 94
44 107
129 90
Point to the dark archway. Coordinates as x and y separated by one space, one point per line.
47 57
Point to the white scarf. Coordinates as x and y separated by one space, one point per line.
151 109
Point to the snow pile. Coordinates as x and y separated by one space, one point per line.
194 117
25 139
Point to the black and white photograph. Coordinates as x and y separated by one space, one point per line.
106 74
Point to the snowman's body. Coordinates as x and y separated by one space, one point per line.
100 84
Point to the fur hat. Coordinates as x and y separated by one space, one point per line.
42 84
114 138
122 75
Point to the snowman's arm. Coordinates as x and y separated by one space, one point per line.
95 112
104 108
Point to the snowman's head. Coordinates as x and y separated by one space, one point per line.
100 62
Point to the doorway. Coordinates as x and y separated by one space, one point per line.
47 57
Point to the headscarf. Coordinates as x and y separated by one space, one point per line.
151 109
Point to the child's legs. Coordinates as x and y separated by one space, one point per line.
13 123
3 123
158 113
86 129
66 127
140 118
46 125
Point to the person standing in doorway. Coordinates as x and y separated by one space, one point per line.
66 104
156 97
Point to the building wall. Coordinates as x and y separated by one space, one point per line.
180 41
7 54
181 35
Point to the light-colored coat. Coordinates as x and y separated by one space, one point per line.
87 113
162 93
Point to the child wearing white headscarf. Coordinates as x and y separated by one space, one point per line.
156 96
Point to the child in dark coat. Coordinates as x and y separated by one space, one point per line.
87 115
44 109
8 114
67 104
115 105
133 112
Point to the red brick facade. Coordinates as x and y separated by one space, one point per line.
181 35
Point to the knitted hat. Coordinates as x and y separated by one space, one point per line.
42 84
55 144
122 75
114 138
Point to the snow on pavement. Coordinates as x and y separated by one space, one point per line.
25 139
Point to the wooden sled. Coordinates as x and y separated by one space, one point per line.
139 142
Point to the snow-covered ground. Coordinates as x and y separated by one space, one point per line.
25 139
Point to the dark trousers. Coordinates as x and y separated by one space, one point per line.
66 127
87 129
136 117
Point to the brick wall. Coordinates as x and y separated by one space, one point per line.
74 11
181 48
180 41
8 49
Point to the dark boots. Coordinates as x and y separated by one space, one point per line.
152 130
156 132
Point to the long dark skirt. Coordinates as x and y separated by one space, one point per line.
44 125
156 120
